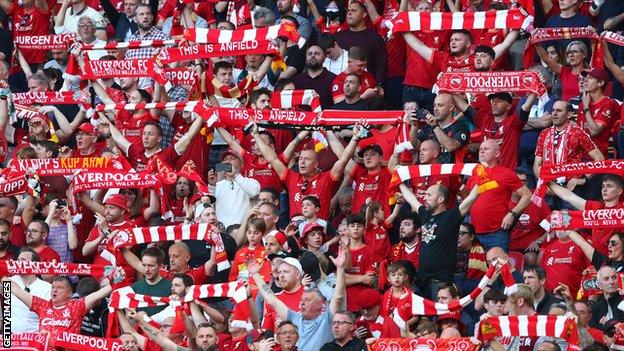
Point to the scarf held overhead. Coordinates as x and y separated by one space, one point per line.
202 231
11 267
572 220
98 69
201 51
537 325
491 82
45 42
71 341
214 36
552 34
401 344
287 99
415 21
105 180
52 98
67 166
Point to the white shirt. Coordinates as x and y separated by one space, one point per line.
339 65
234 199
71 20
22 318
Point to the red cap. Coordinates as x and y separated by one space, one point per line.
43 117
279 236
310 226
456 316
368 298
117 200
597 73
87 128
228 152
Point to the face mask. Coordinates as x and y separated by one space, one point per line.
331 13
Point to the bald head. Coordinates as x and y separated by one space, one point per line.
496 252
489 152
450 332
429 150
179 256
443 107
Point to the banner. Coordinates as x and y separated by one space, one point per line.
105 180
421 344
213 36
10 267
20 184
573 220
129 45
415 21
71 341
96 69
491 82
536 325
28 342
541 35
67 166
201 51
44 42
52 98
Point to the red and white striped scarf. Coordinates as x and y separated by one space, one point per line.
10 267
402 141
613 38
405 173
202 51
202 231
198 107
414 21
491 82
341 118
25 112
536 326
130 45
213 36
287 99
44 42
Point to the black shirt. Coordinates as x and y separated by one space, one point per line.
457 130
321 84
598 260
354 344
357 106
438 249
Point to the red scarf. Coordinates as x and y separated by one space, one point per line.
491 82
27 342
11 267
402 344
202 51
66 166
81 342
551 34
26 112
182 75
44 42
97 69
287 99
53 98
572 220
428 21
477 265
20 184
129 45
105 180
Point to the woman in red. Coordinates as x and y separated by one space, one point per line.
576 52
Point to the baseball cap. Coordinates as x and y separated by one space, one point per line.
368 298
117 200
87 128
597 73
291 261
198 197
229 152
279 236
501 95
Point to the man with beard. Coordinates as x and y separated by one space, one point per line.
352 98
8 251
8 205
439 233
152 260
409 233
58 61
36 236
289 274
316 77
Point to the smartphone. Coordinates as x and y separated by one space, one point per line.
61 203
223 167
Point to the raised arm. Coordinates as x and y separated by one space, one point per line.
372 11
269 154
153 333
60 17
618 73
230 140
289 151
338 300
182 145
95 297
510 38
20 293
338 149
347 154
586 247
117 137
418 46
269 296
409 197
464 207
552 64
314 10
567 195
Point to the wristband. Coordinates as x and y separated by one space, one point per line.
516 216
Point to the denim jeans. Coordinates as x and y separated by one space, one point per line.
498 238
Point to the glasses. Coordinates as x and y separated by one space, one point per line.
613 243
34 231
288 332
340 322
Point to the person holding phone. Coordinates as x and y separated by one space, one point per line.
235 191
62 236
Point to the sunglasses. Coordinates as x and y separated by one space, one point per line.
613 242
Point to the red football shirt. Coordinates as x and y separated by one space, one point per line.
376 237
402 251
527 228
321 185
31 23
507 135
370 185
139 160
363 260
563 263
106 254
382 327
48 254
61 318
262 172
568 146
488 211
419 71
291 299
421 184
198 274
131 126
443 61
604 111
569 83
197 151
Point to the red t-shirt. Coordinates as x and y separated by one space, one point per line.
443 61
291 299
386 140
382 327
61 318
563 263
395 46
262 172
600 236
507 135
197 151
376 237
570 145
48 254
527 228
370 185
138 159
18 237
198 274
321 185
35 22
402 251
131 126
389 302
569 83
106 254
419 71
176 206
368 81
239 263
363 260
488 211
605 112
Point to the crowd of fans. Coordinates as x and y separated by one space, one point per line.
327 250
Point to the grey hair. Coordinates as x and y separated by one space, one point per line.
580 44
87 18
349 315
265 13
41 78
